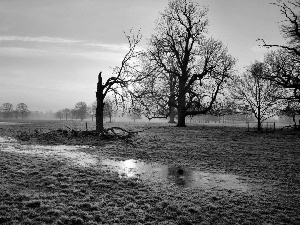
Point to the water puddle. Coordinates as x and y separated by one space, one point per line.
66 152
149 172
175 175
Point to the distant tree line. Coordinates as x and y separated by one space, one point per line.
83 111
7 111
21 111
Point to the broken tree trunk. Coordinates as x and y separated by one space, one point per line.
100 105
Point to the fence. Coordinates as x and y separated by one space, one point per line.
265 126
249 125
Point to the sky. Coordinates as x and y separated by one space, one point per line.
51 51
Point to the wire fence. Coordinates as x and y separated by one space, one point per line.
265 126
269 126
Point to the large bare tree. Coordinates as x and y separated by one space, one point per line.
285 62
181 49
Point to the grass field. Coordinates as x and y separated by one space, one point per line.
42 188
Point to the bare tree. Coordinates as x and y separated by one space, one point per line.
81 110
22 108
118 84
286 61
154 94
290 27
285 72
201 65
7 110
261 95
67 113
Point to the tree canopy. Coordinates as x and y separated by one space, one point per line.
183 53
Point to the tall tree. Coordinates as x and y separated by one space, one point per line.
67 113
7 110
200 64
81 110
261 95
22 108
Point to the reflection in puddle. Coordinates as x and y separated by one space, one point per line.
59 151
154 173
175 175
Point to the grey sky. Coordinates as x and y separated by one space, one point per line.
51 51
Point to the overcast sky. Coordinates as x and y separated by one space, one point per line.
51 51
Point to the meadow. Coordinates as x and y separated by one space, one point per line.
198 174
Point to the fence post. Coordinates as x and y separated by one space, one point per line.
274 126
248 125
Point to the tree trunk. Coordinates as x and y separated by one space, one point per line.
172 99
181 104
258 124
258 118
172 115
259 107
100 106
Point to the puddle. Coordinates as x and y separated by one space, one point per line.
175 175
58 151
154 172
